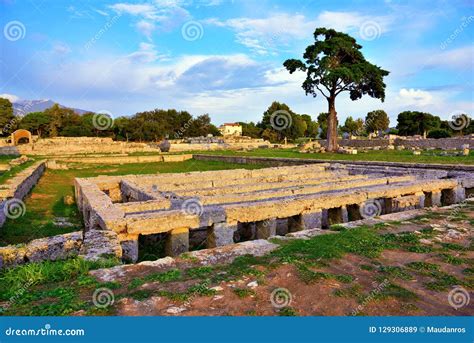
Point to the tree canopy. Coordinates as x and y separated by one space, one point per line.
377 120
416 123
335 64
7 119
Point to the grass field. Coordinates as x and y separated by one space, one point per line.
45 203
372 155
328 275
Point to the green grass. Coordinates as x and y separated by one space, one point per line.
380 155
14 170
46 202
354 291
54 287
309 276
396 272
396 291
168 276
361 241
287 312
447 258
423 266
243 292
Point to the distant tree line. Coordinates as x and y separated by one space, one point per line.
278 122
144 126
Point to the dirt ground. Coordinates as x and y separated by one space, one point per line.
370 290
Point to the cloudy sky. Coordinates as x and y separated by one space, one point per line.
224 57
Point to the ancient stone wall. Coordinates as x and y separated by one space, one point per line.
9 150
230 204
50 248
455 143
441 143
280 161
18 187
104 159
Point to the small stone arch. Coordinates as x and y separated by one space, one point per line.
21 135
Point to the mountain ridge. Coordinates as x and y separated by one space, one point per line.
23 107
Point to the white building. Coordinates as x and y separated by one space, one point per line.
231 129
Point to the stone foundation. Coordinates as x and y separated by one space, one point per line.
50 248
238 205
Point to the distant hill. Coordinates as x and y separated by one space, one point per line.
23 107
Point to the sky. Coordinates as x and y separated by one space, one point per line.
225 57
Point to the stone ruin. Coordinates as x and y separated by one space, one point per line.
224 207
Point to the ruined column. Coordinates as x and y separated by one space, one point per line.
312 220
130 250
220 234
460 194
177 242
266 228
421 200
436 198
305 221
344 214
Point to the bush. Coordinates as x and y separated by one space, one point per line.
439 133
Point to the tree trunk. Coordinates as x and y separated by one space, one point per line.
332 125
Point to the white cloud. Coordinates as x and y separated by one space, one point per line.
162 15
352 21
145 54
11 97
146 28
279 30
267 34
61 48
145 10
416 97
461 58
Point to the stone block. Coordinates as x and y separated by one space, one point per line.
220 234
102 243
177 242
266 228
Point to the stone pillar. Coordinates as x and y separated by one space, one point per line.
325 219
266 228
344 214
177 242
220 234
436 198
130 250
460 194
421 200
312 220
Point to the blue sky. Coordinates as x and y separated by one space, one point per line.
225 57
